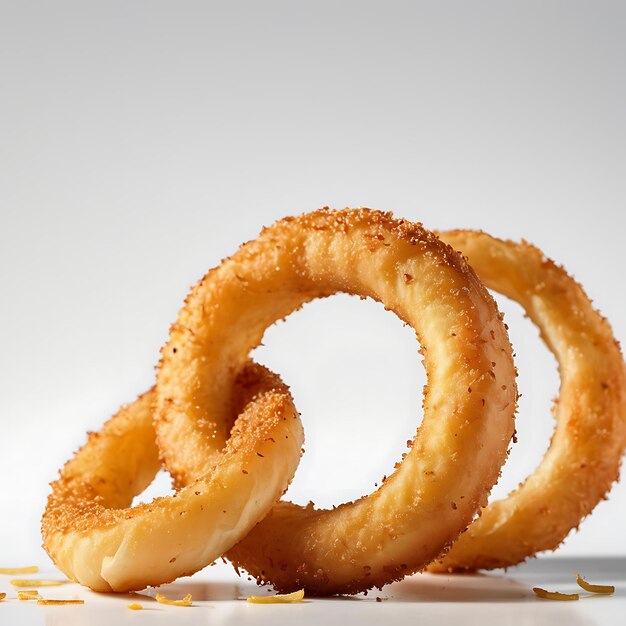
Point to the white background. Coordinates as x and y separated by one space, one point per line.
141 142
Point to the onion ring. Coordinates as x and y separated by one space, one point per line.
584 455
468 408
97 541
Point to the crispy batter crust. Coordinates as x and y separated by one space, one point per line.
584 456
93 536
468 409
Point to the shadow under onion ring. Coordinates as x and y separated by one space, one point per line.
95 539
469 405
584 456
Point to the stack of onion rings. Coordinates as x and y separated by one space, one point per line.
229 434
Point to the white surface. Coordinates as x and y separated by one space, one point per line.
141 142
219 595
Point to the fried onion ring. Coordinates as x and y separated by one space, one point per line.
96 540
584 456
468 408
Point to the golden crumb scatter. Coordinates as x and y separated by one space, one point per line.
2 596
281 598
37 583
135 606
587 586
28 594
31 569
59 602
186 601
555 595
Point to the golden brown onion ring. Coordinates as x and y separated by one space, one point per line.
584 455
468 409
96 540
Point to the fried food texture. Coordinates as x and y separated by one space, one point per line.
229 433
584 456
94 535
469 405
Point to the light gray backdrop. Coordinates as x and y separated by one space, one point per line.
141 142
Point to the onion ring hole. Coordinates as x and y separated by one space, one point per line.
349 448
